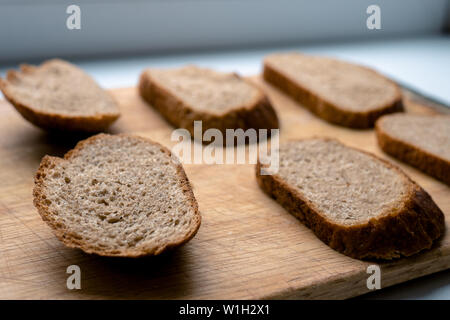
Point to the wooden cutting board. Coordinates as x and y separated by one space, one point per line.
248 247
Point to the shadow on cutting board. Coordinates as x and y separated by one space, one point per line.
159 277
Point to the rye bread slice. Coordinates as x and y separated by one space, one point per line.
419 140
220 100
117 195
338 92
58 95
354 202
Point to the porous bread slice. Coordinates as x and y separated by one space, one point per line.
422 141
59 96
117 195
338 92
356 203
220 100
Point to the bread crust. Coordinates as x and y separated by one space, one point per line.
54 121
258 115
413 227
429 163
326 109
64 235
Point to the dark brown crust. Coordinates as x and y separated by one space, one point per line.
326 109
412 228
55 121
64 234
259 115
413 155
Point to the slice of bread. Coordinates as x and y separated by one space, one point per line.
220 100
419 140
59 96
354 202
338 92
117 195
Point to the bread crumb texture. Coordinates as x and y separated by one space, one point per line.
117 196
429 133
348 186
355 202
206 89
349 86
59 95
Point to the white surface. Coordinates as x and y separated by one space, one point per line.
422 63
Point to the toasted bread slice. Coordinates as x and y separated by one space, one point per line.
419 140
120 196
353 201
59 96
220 100
338 92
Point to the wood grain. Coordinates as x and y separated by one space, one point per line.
248 247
